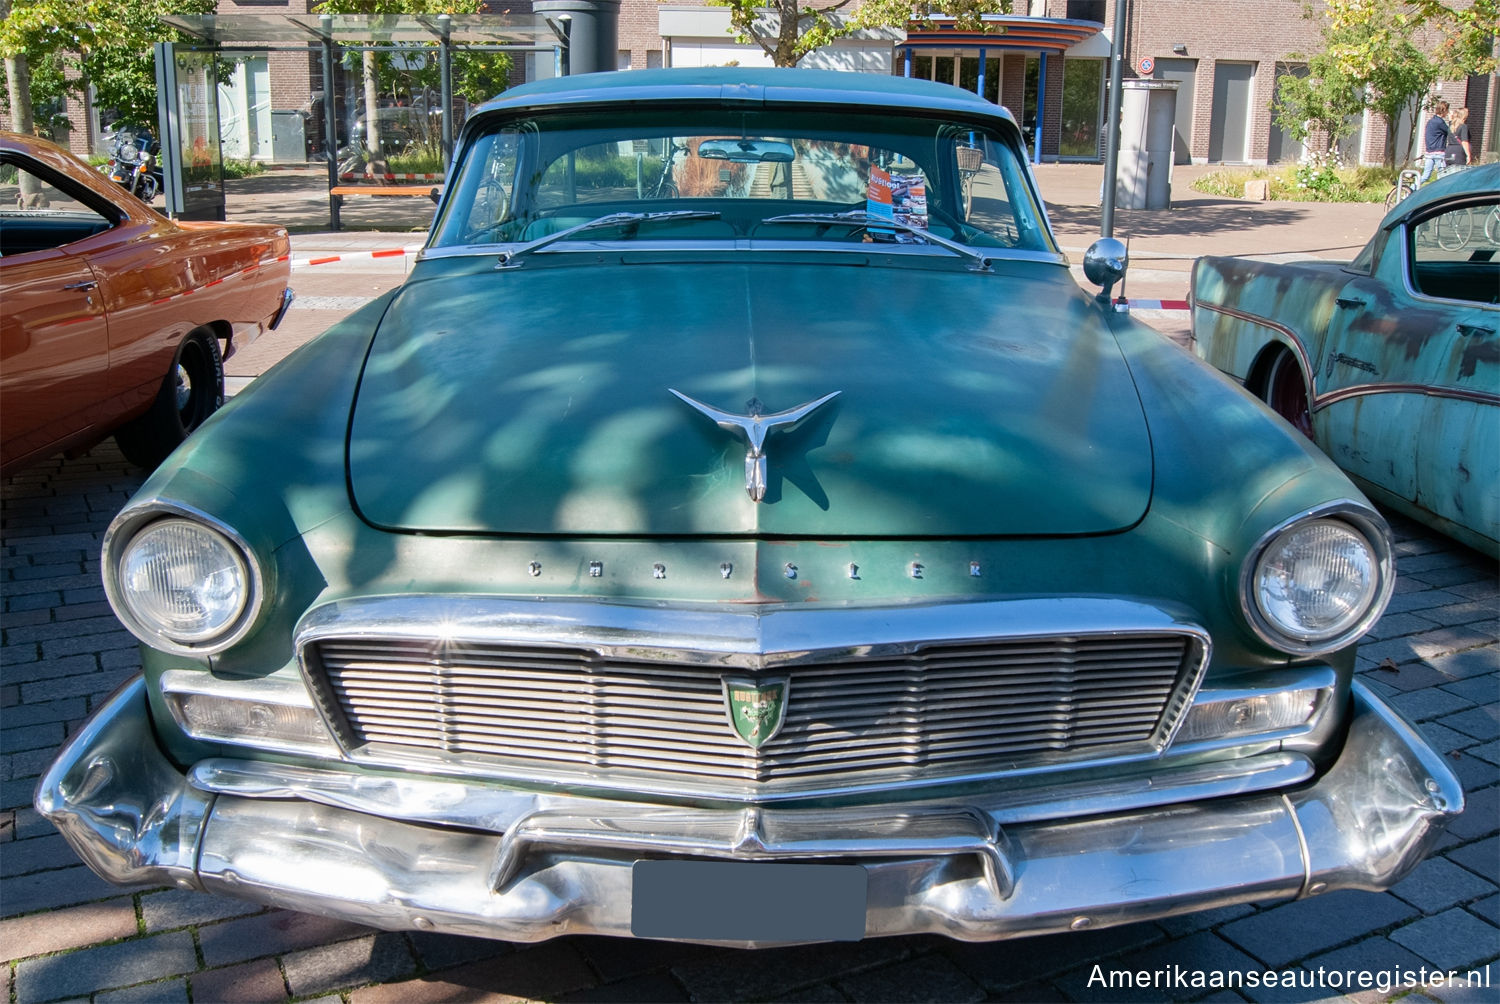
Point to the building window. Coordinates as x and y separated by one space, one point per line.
1085 10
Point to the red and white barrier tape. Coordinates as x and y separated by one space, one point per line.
1123 304
352 255
247 270
391 177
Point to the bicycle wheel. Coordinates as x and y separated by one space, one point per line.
1492 225
1396 194
1454 229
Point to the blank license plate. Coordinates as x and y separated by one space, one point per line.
747 901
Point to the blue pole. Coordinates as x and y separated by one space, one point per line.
980 89
1041 108
908 61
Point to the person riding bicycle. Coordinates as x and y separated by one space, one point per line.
1435 142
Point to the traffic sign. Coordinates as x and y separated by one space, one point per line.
1146 66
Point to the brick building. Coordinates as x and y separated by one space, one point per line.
1050 56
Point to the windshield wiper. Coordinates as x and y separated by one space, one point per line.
508 259
861 218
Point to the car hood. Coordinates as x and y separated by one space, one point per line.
538 401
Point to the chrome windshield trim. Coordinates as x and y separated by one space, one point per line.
994 256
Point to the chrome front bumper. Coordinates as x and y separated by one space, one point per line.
404 852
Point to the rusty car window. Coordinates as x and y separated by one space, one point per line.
1455 254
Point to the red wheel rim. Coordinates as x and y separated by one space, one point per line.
1287 394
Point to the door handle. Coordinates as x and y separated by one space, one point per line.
1474 329
86 284
1348 302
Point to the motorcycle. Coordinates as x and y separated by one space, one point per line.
133 163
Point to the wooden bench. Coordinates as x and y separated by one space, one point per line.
337 193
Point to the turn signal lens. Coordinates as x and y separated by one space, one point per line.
1245 715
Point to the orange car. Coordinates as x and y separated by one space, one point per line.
114 319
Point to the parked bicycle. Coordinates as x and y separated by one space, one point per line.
1410 180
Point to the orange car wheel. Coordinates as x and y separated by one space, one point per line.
191 391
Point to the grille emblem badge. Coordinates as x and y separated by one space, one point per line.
756 708
755 427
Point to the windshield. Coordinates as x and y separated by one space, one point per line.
730 174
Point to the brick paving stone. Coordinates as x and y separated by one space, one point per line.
81 628
1416 598
24 856
1471 771
440 951
30 737
1481 815
1487 909
162 992
1482 857
1437 884
1376 956
617 958
49 669
1462 665
1002 964
1421 705
1204 951
377 958
1454 939
1481 723
768 973
925 978
99 684
1444 739
75 927
1412 676
1479 689
1306 927
1396 625
92 969
67 710
547 970
270 934
1488 752
1484 988
658 987
183 907
245 983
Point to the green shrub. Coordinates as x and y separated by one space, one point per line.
1317 180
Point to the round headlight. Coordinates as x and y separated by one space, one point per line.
1318 582
184 581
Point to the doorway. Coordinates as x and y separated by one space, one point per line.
1229 133
1185 72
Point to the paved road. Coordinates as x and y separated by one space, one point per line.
68 936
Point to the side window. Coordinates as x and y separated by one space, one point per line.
36 215
1455 254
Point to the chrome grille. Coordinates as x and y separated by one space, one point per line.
942 708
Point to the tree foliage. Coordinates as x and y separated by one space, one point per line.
1383 55
787 30
69 44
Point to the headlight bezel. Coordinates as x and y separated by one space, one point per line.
124 530
1358 518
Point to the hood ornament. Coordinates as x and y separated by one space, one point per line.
755 427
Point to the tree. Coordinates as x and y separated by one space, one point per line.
59 47
787 30
1383 55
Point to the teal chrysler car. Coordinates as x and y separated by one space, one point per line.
740 528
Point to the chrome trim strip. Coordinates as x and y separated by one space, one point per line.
773 637
134 518
1364 519
1316 401
754 834
287 296
740 245
1426 390
488 807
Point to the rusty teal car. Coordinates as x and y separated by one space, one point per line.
1391 362
723 536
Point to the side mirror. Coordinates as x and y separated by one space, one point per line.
1104 264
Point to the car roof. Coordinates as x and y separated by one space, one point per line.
749 85
1475 180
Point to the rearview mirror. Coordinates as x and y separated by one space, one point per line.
747 151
